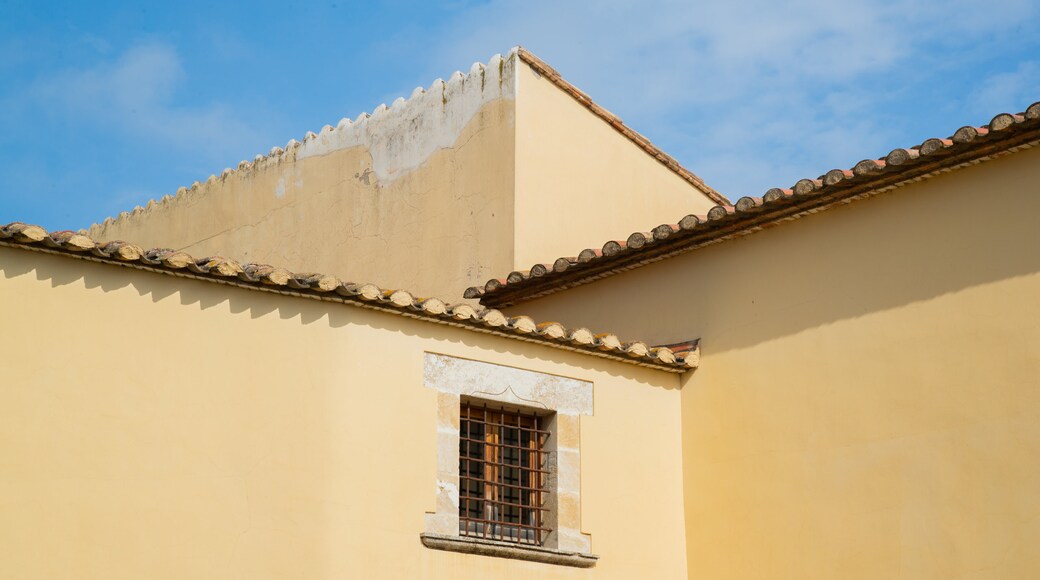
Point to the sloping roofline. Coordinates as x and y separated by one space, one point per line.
1004 135
331 289
543 68
364 120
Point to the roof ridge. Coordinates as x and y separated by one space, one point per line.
357 131
618 125
331 288
1005 133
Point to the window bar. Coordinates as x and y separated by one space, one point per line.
535 483
490 474
502 475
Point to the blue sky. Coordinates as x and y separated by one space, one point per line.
106 105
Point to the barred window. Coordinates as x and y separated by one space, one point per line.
503 474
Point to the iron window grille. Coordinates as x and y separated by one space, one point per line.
503 475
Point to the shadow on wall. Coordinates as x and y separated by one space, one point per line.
975 226
60 271
938 237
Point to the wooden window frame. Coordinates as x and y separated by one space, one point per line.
504 474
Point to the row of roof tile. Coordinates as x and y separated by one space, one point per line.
1004 134
326 287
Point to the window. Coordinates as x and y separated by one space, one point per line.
508 462
503 474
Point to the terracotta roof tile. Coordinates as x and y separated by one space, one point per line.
329 288
1005 134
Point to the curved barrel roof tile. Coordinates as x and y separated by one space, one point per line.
1005 134
331 288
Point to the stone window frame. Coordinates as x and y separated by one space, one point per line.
567 399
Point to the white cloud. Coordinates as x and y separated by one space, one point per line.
752 93
137 94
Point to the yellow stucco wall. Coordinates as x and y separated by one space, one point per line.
867 404
579 182
153 426
489 172
433 230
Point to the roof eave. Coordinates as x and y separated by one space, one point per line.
1005 134
328 288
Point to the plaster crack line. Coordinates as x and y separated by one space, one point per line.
262 219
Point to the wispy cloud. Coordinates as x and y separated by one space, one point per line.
137 94
752 93
1003 91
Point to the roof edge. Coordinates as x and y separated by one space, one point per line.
329 288
543 68
1005 134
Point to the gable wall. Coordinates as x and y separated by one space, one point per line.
464 181
418 196
580 182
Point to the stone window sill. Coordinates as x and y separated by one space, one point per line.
507 550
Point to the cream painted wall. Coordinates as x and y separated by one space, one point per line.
867 404
154 426
579 182
434 229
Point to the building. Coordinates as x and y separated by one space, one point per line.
833 380
435 193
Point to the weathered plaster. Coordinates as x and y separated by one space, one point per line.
431 230
390 196
399 138
493 382
435 193
402 137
